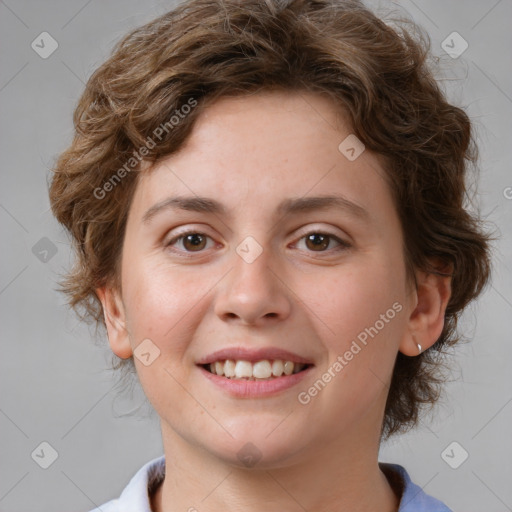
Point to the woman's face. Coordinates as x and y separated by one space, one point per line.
233 253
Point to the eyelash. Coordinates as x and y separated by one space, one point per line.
343 245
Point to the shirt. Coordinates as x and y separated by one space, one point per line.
135 496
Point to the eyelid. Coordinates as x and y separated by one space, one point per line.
342 236
186 230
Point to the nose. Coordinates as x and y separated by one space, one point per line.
254 293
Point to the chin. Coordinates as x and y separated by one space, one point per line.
255 445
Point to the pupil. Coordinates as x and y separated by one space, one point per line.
318 240
194 240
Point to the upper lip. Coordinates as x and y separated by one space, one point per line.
252 355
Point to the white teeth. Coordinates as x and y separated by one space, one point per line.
277 368
288 368
229 368
263 369
243 369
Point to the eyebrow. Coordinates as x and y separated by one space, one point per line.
287 206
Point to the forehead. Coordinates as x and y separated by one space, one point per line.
256 150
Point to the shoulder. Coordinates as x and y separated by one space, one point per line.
413 498
135 496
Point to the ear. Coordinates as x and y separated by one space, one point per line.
426 320
113 311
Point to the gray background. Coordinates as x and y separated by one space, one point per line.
54 378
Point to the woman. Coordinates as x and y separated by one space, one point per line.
266 202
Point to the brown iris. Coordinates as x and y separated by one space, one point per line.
196 240
317 241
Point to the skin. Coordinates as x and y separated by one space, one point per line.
250 153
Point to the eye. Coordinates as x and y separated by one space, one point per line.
318 241
193 241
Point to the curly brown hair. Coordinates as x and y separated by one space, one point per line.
206 49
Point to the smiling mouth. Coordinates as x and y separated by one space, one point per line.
258 370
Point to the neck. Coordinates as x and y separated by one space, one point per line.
350 480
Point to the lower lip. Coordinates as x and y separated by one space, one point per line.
255 388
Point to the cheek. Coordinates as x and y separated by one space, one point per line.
364 315
162 304
355 299
160 300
